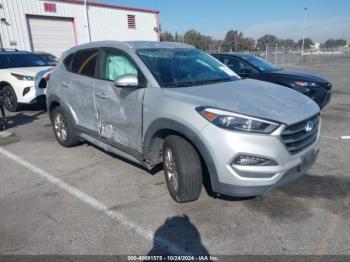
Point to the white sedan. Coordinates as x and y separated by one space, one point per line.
19 72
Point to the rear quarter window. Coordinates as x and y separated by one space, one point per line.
68 61
84 62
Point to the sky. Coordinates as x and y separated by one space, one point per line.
283 18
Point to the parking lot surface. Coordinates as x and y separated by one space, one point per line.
81 200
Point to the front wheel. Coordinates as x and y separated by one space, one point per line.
182 169
10 99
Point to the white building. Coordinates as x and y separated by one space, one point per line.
56 25
316 46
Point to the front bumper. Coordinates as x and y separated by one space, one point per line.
241 181
32 95
320 95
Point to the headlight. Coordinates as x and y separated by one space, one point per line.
237 122
303 84
23 77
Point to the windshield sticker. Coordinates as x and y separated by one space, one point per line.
227 70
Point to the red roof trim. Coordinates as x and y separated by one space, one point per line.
112 6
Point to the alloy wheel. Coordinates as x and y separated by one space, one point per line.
9 100
171 169
60 127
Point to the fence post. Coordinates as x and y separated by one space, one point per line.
276 55
266 53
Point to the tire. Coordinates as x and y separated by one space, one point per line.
182 169
10 99
64 128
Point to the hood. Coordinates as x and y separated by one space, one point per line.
29 71
305 76
250 97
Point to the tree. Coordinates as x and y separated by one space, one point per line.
235 41
216 45
287 43
266 40
178 38
331 43
192 37
307 43
340 42
166 36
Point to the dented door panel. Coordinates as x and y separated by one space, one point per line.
119 113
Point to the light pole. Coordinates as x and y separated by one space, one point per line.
304 30
87 20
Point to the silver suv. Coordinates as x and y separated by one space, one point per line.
157 102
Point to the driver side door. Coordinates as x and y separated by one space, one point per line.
119 108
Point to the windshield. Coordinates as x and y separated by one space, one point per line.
180 67
260 63
11 60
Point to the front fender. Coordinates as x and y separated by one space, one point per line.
191 135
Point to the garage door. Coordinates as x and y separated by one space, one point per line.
53 35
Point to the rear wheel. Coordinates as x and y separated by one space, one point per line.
10 99
182 169
63 127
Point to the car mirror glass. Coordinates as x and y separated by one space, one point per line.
128 80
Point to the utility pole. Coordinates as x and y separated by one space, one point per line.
87 19
304 30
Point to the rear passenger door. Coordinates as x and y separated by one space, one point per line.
78 88
119 109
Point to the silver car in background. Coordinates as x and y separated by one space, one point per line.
158 102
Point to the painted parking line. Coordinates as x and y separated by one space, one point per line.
94 203
337 137
330 137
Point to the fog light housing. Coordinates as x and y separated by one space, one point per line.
26 90
249 160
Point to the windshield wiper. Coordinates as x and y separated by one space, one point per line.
174 84
213 81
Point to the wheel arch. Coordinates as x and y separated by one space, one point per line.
54 101
3 84
161 128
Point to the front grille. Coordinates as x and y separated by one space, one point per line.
296 138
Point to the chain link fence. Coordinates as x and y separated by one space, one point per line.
281 55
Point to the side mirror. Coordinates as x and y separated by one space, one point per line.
127 81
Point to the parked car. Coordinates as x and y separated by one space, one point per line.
48 58
154 102
18 72
250 66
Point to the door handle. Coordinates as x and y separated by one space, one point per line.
102 95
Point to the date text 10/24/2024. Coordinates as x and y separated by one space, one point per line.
173 258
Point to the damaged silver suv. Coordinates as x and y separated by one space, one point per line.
158 102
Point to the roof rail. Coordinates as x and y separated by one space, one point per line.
9 49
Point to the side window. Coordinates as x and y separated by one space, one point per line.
116 65
84 62
68 61
237 65
232 63
246 68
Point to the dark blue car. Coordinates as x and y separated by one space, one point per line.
250 66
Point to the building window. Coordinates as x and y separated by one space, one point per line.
131 22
